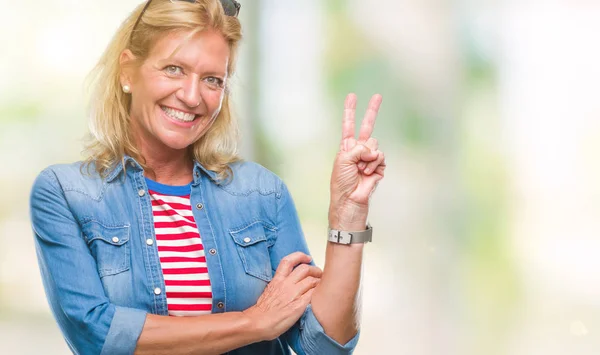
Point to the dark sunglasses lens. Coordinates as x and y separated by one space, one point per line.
232 8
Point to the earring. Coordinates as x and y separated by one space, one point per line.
126 89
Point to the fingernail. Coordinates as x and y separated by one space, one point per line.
361 165
368 171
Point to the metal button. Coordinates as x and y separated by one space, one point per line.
141 192
197 174
157 291
115 239
199 206
247 240
212 251
149 241
220 305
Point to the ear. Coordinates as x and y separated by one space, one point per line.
126 60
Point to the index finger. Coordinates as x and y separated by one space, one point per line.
368 122
349 113
289 262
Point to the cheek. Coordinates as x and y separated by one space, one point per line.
156 87
214 99
159 90
147 94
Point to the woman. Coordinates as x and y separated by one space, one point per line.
163 220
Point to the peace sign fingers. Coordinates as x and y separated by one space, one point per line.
368 122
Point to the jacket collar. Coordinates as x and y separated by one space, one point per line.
199 168
131 163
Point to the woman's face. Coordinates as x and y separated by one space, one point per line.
176 97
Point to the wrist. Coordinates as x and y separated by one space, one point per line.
255 322
348 216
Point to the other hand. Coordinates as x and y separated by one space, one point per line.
286 297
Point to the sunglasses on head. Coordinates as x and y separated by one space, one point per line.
230 7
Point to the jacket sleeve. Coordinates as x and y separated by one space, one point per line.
87 319
307 336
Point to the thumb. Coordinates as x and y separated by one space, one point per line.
361 152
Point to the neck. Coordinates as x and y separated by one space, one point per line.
166 165
169 169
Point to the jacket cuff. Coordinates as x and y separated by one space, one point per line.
315 341
124 331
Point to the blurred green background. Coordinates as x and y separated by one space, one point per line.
487 225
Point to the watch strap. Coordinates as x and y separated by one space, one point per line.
346 237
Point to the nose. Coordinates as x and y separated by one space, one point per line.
189 93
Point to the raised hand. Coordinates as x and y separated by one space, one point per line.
359 165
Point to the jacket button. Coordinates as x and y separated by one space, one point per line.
199 206
247 240
115 239
149 241
212 251
220 305
141 192
157 291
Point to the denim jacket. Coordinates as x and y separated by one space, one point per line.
94 240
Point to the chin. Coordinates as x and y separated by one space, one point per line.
180 146
181 140
177 143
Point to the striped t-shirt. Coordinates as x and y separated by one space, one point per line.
180 250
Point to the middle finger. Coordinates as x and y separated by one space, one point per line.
348 119
368 122
303 271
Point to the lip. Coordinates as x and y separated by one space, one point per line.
176 122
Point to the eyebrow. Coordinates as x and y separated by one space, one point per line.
174 61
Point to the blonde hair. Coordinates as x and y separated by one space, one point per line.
110 138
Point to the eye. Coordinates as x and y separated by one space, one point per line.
214 81
173 70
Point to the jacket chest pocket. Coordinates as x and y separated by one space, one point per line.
109 245
252 247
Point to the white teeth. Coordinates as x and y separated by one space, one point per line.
178 115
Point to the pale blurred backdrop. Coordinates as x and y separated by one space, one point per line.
487 225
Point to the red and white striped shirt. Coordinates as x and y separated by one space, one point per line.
180 250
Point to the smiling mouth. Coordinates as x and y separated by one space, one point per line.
178 115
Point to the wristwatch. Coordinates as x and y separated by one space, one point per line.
345 237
